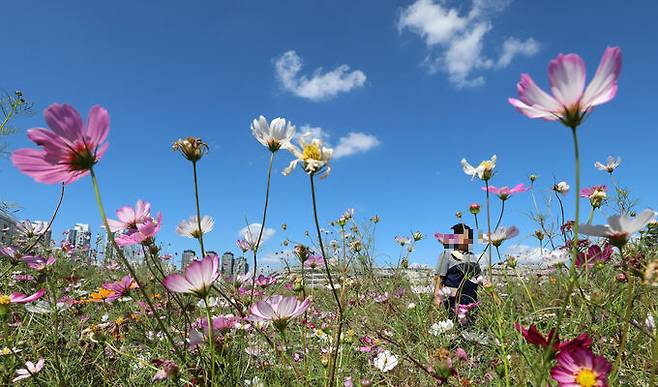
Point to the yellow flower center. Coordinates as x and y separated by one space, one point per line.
4 300
5 351
312 152
586 378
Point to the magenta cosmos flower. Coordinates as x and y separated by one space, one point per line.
120 287
570 101
504 193
198 277
581 367
278 309
37 262
20 298
70 148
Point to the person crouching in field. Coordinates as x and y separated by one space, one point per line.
456 281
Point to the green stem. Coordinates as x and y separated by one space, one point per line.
339 317
654 357
140 285
574 251
262 228
591 215
211 342
500 217
486 183
564 233
198 211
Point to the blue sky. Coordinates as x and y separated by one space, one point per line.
424 83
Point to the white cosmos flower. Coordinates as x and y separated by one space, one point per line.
386 361
274 136
27 229
190 228
313 155
484 171
441 327
620 227
610 167
501 234
561 187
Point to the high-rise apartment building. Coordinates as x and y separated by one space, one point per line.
227 263
187 258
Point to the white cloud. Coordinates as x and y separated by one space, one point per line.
321 85
513 47
311 132
532 256
355 142
352 143
250 233
456 41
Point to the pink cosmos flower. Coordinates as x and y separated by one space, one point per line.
448 239
144 231
504 193
570 101
243 245
20 298
278 309
70 148
130 217
314 261
120 287
221 324
265 281
581 367
29 370
198 277
37 262
587 192
594 255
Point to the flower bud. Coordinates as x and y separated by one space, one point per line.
191 148
474 208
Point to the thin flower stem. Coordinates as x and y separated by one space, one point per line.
502 210
591 215
262 228
654 359
141 287
627 318
332 365
564 233
211 342
50 223
574 251
486 183
198 211
477 226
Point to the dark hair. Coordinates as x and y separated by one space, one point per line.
459 228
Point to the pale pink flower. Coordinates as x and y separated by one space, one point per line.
130 217
570 101
500 235
504 193
29 370
314 261
243 245
265 281
198 277
278 309
611 164
70 148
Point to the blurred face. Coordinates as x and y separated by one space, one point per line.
463 241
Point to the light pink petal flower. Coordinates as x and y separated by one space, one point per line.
177 283
603 87
566 74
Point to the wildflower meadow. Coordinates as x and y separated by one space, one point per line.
333 314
